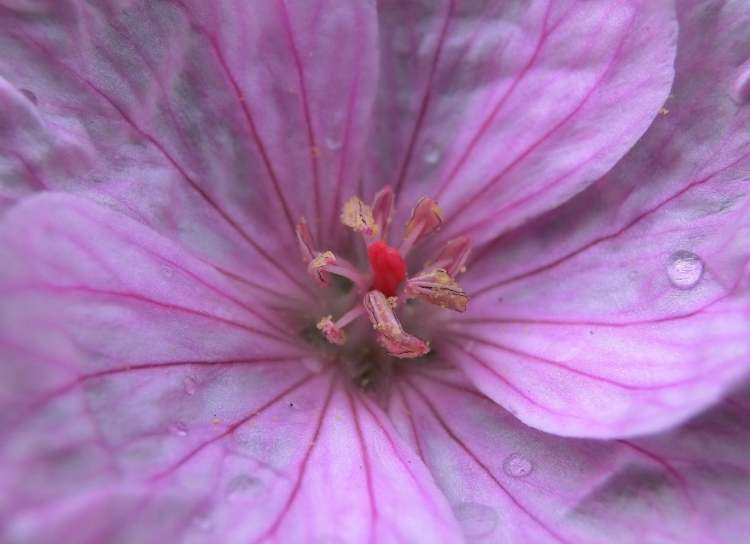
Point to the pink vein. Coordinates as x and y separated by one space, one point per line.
426 97
611 236
303 467
237 90
177 166
412 424
595 377
158 303
61 390
499 105
529 150
515 388
346 140
313 149
247 307
230 429
449 431
367 467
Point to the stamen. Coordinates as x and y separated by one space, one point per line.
334 331
382 210
426 217
315 260
453 257
327 263
335 335
357 215
304 239
391 335
437 287
317 267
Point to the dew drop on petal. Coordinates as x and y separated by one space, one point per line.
684 269
333 142
477 520
30 95
741 87
517 466
189 385
179 428
431 154
240 485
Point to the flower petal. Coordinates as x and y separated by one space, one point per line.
32 152
206 118
143 401
628 309
510 483
502 110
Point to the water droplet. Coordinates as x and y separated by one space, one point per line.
30 95
179 428
477 520
190 385
431 154
240 485
333 142
741 87
517 466
203 522
684 269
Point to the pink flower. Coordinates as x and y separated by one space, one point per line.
181 361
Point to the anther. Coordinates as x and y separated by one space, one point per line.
382 210
426 217
390 333
334 335
321 264
437 287
334 331
357 215
310 254
317 267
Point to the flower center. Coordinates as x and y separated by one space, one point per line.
383 290
388 268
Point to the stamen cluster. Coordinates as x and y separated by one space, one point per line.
386 286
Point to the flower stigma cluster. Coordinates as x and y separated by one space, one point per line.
382 291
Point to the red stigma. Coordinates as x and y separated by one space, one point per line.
388 268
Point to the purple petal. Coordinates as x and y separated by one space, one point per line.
503 110
207 118
143 401
31 151
689 485
626 310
